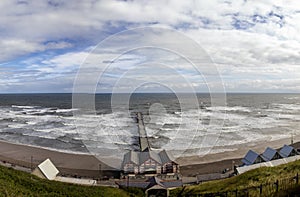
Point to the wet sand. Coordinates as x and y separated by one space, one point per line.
84 165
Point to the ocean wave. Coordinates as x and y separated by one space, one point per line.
173 130
24 106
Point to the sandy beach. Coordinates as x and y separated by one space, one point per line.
85 165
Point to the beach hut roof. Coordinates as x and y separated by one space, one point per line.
250 157
286 151
269 154
48 169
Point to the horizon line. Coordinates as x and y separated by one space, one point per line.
250 92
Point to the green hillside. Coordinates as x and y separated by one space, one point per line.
261 176
16 183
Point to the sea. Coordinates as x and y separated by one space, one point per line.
48 120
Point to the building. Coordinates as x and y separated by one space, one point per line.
149 162
46 170
269 158
153 186
270 154
287 151
252 158
276 162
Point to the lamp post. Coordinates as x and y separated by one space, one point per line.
31 160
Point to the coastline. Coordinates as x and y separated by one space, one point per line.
69 164
86 165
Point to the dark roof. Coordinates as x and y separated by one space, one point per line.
286 150
269 154
164 183
155 181
250 158
139 184
170 184
152 181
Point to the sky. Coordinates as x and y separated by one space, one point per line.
248 46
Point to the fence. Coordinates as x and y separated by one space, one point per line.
266 189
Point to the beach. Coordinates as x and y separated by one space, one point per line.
85 165
81 165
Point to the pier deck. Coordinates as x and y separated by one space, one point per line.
143 139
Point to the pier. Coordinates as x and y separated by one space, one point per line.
143 139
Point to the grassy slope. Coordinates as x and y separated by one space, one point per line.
16 183
250 178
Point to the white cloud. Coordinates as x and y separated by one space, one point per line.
252 42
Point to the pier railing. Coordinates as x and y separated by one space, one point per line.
143 138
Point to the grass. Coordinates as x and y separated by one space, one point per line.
17 183
251 178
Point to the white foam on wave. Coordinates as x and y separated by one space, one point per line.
227 108
292 98
237 128
290 107
66 110
24 106
232 125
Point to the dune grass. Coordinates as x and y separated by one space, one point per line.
17 183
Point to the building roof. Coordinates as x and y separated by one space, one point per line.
171 184
129 183
152 181
79 181
269 154
164 183
250 158
140 157
276 162
154 155
131 157
166 157
155 181
144 156
286 150
48 169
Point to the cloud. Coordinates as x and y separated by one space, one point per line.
255 44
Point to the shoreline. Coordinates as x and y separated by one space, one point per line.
86 165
